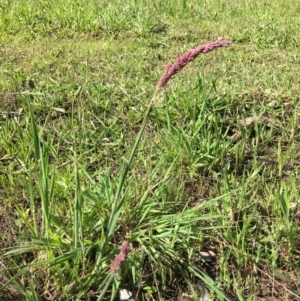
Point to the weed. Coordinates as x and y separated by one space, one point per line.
210 201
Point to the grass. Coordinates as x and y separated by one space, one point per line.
210 195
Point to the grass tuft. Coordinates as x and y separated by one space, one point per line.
202 182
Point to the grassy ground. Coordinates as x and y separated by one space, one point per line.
212 195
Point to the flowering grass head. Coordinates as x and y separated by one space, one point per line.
120 258
187 57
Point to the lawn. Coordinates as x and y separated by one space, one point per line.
110 185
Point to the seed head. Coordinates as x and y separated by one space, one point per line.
120 258
187 57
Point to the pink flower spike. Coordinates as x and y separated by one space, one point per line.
120 258
187 57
